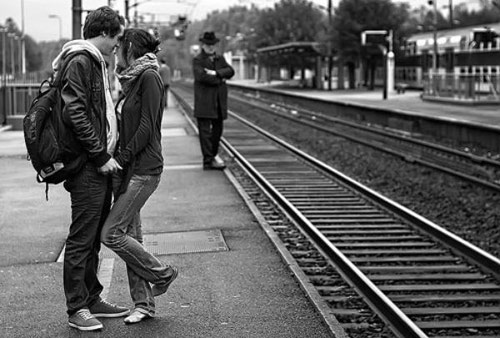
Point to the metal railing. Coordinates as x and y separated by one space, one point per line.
17 93
474 88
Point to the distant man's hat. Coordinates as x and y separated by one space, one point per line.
209 38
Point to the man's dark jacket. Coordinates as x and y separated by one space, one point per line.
85 106
210 90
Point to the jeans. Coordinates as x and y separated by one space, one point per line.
210 132
122 233
90 202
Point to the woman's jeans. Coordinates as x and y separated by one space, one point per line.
123 234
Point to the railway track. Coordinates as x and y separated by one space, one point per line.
421 280
477 169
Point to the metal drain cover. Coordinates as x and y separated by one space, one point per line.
168 243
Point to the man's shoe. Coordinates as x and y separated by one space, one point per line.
159 289
102 308
214 165
138 315
84 321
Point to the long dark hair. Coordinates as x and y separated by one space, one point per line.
136 42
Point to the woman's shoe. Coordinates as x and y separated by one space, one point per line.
138 315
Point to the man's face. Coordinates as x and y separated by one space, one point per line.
209 49
110 43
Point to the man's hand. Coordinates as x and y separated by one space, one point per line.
210 71
109 167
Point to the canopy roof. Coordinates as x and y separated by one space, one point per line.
292 48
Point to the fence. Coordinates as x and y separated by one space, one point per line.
16 95
470 88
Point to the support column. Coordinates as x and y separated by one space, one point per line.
77 19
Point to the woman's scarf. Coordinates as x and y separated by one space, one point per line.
128 76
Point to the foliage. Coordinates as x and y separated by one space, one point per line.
352 17
33 52
486 15
288 21
244 29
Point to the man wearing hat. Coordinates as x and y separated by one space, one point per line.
210 72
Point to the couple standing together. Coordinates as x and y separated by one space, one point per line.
123 147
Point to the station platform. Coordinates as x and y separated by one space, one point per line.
234 279
409 102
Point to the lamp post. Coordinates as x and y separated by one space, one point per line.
12 37
23 42
55 16
4 56
19 53
329 45
4 75
434 34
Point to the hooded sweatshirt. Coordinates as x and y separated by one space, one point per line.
112 126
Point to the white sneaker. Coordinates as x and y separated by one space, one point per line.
138 315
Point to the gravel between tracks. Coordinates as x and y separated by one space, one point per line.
465 209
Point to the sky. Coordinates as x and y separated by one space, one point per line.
41 27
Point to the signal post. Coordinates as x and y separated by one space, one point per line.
383 40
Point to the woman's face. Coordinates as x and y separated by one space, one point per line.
120 60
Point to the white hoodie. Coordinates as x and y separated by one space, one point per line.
112 126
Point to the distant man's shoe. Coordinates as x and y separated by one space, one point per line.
83 320
159 289
138 315
215 165
102 308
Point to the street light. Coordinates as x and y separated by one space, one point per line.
4 74
4 56
434 36
329 45
12 62
55 16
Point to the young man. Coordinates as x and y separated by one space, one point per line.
210 98
89 111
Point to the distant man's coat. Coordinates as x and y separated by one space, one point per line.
210 91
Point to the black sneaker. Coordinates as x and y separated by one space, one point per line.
84 321
102 308
159 289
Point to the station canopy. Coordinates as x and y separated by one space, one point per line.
304 49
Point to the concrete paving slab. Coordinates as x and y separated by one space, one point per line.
247 291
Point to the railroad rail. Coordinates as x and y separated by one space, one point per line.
422 280
476 169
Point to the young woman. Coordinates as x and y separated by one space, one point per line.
140 111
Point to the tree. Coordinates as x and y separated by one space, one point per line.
289 21
352 17
34 59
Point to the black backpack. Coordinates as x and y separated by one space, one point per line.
52 147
